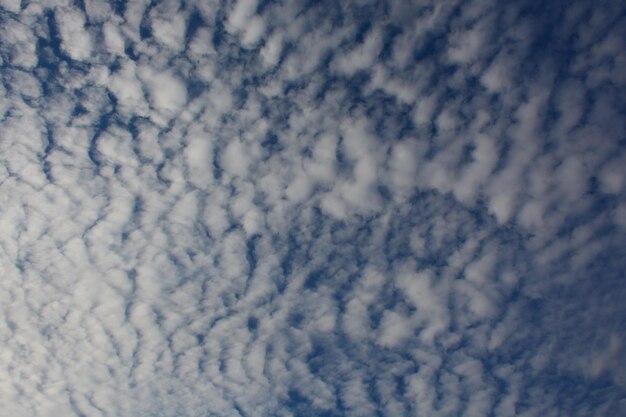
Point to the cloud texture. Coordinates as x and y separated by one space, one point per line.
333 208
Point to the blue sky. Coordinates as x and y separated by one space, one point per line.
312 208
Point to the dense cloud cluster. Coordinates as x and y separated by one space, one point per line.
312 208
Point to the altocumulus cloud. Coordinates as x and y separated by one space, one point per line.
296 208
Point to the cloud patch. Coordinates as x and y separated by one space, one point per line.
263 209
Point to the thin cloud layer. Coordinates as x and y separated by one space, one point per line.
312 208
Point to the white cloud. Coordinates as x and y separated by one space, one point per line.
76 41
97 11
21 42
476 174
363 56
11 5
167 92
233 224
243 19
241 13
170 31
113 39
128 89
272 49
613 177
253 32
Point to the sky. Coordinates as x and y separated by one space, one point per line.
297 208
